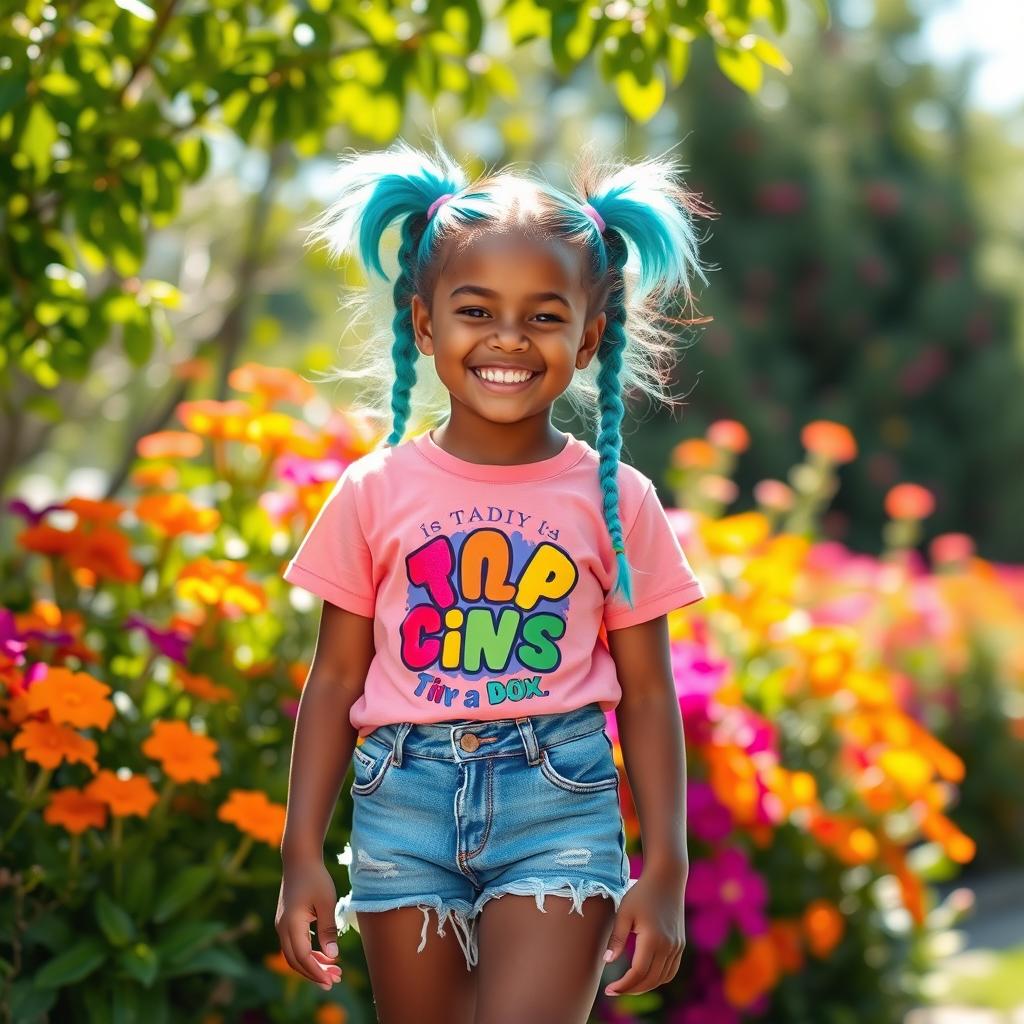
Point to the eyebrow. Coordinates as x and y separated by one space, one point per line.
475 289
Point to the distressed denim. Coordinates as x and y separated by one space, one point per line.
447 816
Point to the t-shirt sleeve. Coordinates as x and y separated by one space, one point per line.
660 572
333 561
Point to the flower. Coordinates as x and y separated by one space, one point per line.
909 501
72 698
131 794
706 817
253 813
169 642
48 744
184 755
831 441
173 514
75 811
755 972
823 925
220 583
169 444
721 891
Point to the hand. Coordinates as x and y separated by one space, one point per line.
307 895
653 908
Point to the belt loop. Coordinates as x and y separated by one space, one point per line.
525 727
400 733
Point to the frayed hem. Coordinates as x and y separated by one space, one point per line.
540 889
459 912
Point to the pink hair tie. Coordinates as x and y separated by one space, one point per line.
437 202
594 216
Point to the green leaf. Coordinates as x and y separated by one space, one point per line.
140 887
73 964
114 921
740 67
141 963
184 887
12 91
137 339
779 16
182 941
641 102
39 134
223 961
28 1003
771 55
56 83
678 57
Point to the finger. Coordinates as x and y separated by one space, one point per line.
302 949
326 928
617 940
643 956
327 965
289 954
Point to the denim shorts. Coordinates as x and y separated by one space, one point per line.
449 815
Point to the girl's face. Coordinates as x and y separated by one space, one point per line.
508 327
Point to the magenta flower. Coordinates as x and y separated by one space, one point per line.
168 642
705 1001
706 818
722 891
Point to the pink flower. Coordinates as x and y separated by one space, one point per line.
722 891
706 818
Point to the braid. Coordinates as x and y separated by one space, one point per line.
609 441
403 351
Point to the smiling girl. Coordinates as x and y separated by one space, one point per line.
494 588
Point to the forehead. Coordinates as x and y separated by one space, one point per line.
510 261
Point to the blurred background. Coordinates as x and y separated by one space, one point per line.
844 469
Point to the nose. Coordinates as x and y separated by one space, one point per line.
510 335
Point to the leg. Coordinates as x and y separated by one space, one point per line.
540 967
432 986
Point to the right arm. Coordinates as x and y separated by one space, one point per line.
321 752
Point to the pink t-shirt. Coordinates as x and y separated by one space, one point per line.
488 585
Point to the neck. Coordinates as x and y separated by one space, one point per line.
467 435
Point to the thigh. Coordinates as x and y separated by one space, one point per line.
410 987
544 967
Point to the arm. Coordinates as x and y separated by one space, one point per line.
321 751
651 737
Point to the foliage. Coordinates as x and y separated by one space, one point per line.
151 668
105 111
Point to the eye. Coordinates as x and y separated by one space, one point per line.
554 318
472 309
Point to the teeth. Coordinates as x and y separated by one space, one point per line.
504 376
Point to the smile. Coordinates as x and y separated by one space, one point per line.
496 379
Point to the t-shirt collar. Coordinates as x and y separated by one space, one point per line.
524 472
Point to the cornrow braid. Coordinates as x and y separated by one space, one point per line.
404 352
611 408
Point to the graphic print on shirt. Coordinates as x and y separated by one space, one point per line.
486 609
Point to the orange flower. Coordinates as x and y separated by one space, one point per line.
788 940
220 584
330 1013
909 501
271 383
74 811
203 687
90 510
73 698
251 812
184 755
829 440
169 444
951 547
753 973
174 514
773 494
45 539
133 794
210 418
48 743
959 847
824 927
155 474
694 453
276 962
730 435
740 534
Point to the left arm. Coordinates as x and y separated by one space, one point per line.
651 737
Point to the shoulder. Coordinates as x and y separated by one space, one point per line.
633 484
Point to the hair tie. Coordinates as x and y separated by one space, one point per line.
437 202
594 216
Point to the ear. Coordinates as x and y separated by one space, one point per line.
422 328
592 335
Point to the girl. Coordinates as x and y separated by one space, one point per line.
492 588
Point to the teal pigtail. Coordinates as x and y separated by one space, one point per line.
611 410
641 210
370 192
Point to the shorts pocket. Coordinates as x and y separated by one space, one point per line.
584 764
370 762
